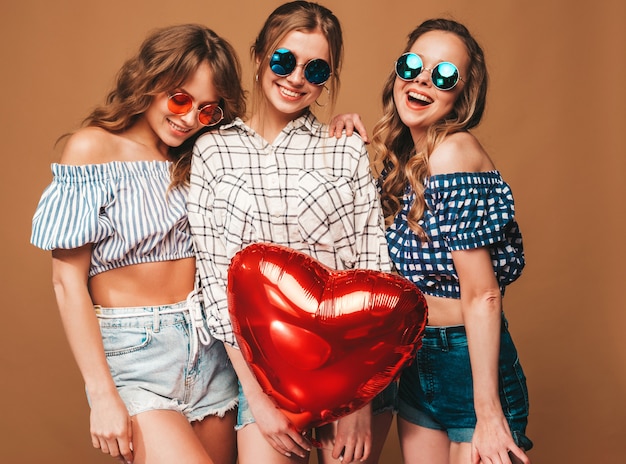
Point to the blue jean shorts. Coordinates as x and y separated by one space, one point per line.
436 390
383 402
157 361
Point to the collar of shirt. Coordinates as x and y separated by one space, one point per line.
307 120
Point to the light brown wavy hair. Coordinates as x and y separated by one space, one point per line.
297 16
165 60
394 150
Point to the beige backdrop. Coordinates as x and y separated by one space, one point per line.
554 126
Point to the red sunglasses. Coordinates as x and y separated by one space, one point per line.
181 103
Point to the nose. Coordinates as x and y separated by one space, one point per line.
423 77
191 118
297 76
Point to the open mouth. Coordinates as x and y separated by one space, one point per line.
419 99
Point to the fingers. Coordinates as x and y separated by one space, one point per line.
518 456
335 128
291 444
350 123
122 449
352 452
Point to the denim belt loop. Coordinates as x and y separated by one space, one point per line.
443 336
156 320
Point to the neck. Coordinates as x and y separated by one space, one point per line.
141 133
268 122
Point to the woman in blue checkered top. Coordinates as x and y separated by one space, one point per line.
451 229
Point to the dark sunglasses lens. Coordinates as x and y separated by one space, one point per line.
210 115
445 76
282 62
317 71
179 103
409 66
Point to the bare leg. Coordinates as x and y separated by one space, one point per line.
420 445
460 452
164 437
218 436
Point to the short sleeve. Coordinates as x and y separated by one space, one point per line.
69 213
473 210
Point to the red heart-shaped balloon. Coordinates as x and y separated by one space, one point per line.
321 342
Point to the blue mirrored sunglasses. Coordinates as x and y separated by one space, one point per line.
283 62
444 75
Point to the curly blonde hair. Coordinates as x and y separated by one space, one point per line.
393 146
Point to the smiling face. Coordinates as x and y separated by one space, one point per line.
288 97
173 129
419 103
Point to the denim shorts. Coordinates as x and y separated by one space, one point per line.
383 402
436 390
157 362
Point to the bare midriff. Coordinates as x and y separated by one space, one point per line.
444 311
147 284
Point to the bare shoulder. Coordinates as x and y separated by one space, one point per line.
88 145
459 152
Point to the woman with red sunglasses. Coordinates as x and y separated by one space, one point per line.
277 177
161 389
451 230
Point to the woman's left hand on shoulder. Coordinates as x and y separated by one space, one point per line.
350 122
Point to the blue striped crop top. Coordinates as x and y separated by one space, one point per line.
465 210
123 208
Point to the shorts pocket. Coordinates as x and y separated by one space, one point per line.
119 342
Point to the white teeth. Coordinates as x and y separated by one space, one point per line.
177 127
289 93
419 96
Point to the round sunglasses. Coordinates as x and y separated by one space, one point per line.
444 75
283 62
181 103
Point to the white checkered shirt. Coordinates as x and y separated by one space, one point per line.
307 191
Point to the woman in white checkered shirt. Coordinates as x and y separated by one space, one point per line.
278 177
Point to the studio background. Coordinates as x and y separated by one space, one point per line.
554 126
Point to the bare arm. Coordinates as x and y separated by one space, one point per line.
482 307
275 426
109 420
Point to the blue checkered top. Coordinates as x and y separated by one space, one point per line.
465 210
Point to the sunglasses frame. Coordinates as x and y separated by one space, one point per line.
423 68
170 97
286 52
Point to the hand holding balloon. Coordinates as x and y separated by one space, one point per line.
322 343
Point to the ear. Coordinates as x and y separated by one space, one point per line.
257 65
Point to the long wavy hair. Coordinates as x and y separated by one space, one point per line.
393 146
297 16
165 60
